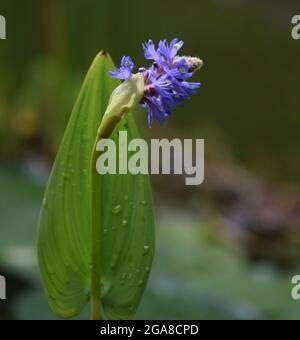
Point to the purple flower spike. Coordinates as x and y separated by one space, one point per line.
165 80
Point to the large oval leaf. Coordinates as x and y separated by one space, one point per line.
127 223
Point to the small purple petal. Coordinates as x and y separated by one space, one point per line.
125 71
150 52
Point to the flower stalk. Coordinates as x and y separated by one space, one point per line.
122 100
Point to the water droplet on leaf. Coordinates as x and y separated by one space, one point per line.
116 210
146 250
114 262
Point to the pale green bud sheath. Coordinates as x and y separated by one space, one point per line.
124 98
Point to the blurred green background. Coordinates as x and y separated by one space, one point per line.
226 249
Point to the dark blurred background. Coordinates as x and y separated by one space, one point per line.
226 249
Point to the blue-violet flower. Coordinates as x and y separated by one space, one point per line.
165 81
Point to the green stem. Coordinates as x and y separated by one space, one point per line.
96 239
105 130
123 98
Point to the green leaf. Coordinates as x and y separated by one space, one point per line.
125 206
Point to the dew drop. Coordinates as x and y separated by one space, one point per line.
116 210
124 223
114 262
146 250
148 269
44 202
123 277
126 198
141 282
144 203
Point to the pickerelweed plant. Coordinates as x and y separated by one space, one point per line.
96 232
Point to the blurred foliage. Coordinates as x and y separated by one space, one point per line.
250 79
196 275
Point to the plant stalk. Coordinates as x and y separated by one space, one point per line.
123 98
105 130
96 313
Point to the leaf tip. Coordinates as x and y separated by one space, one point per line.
104 53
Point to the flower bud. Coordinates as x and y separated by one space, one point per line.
194 63
123 99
